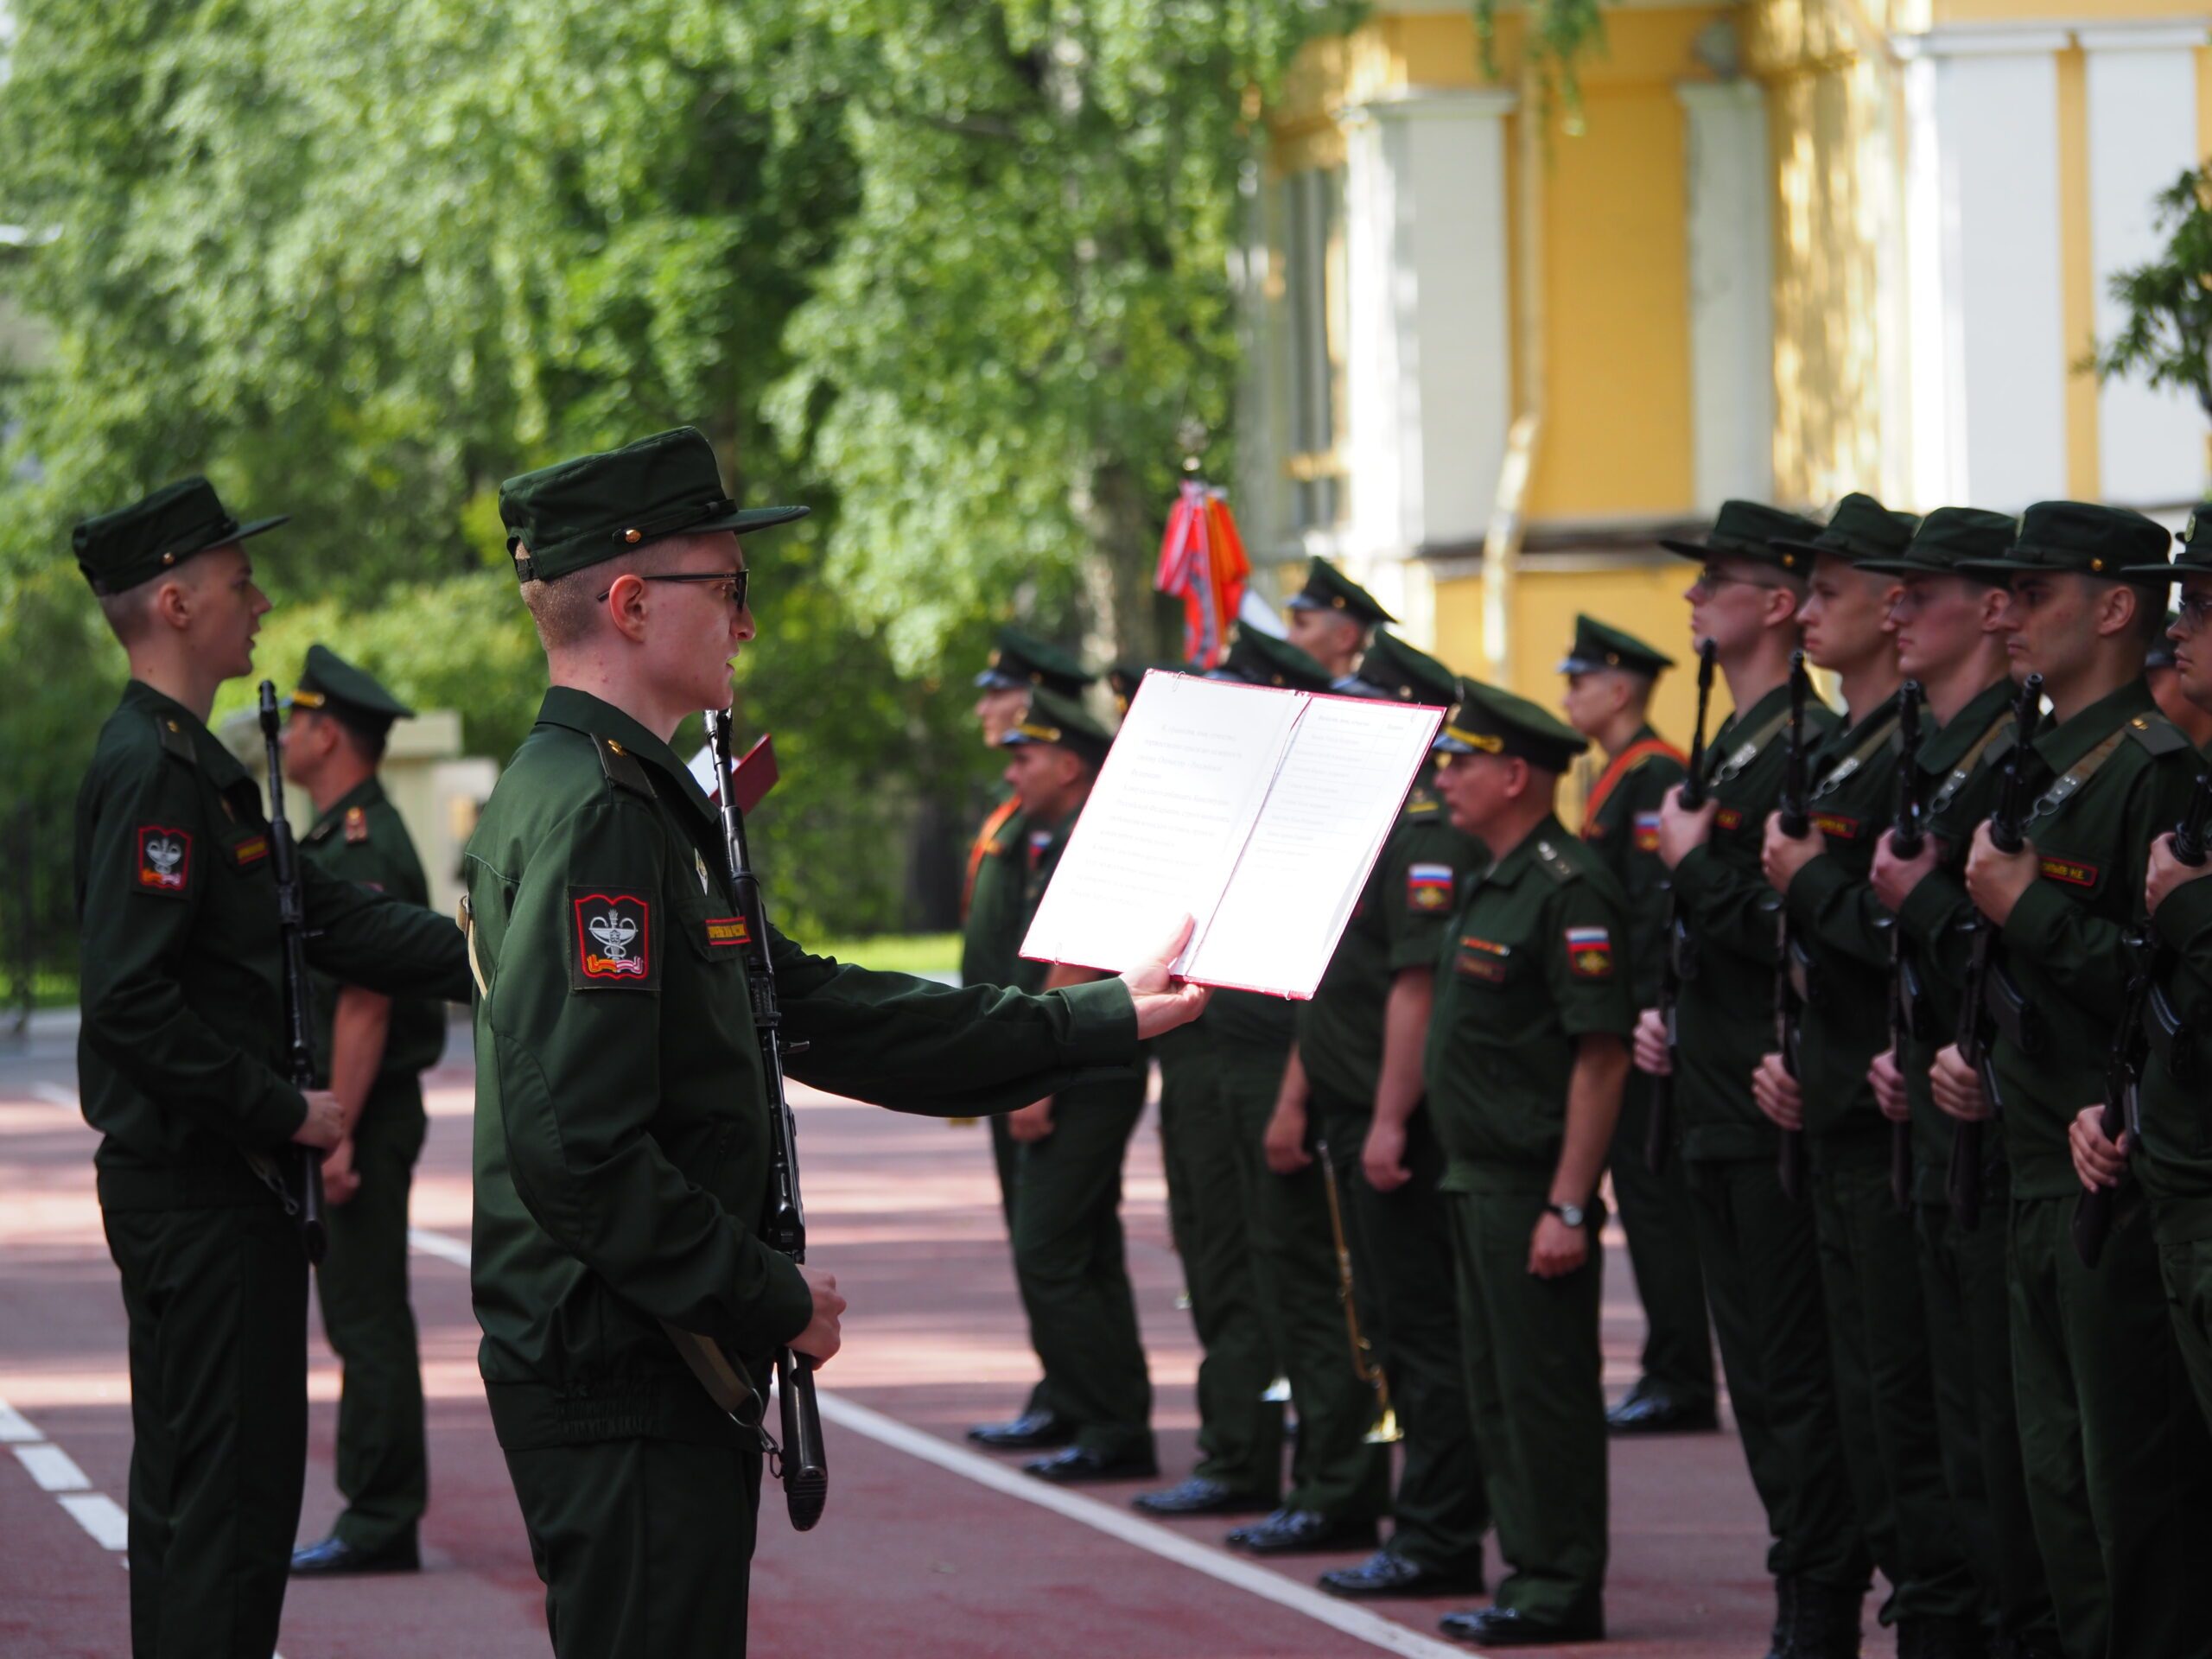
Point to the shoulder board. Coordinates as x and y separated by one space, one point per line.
175 739
2157 733
1422 799
357 823
1553 860
623 769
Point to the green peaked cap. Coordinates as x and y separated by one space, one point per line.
2085 538
1489 720
1947 538
1860 529
328 681
1261 660
2195 559
1600 645
1391 668
1053 718
117 551
1752 529
1021 660
584 512
1328 589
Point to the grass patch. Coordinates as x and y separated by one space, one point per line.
897 953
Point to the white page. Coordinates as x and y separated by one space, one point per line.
1332 808
1172 806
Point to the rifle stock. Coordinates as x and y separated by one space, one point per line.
1795 816
299 1182
1659 1122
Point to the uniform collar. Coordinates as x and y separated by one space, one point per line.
1963 730
1773 702
1885 710
1508 870
579 711
218 762
2062 745
367 793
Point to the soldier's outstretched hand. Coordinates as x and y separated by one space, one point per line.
1163 1004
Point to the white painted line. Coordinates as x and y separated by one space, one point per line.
102 1516
54 1094
455 1250
54 1470
16 1429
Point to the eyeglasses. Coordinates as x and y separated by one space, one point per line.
1709 579
734 584
2194 611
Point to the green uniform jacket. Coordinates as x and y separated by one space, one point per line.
622 1116
1725 1016
991 928
1959 783
2065 940
362 840
2174 1161
1039 851
180 1057
1843 932
1401 920
1532 962
1621 825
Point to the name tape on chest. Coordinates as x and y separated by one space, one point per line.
1836 826
613 948
728 933
163 861
1428 887
2074 872
249 852
1483 959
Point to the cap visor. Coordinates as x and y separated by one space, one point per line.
2162 572
1904 568
1687 549
748 518
1450 745
991 680
1811 550
1997 569
1301 602
254 529
1578 665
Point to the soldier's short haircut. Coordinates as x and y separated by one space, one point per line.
130 614
567 608
2149 616
367 736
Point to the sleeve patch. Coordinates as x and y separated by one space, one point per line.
728 933
250 851
164 860
357 824
1835 826
1590 952
1729 817
2071 871
1428 887
1646 832
613 941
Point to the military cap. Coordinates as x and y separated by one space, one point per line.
2195 559
1053 718
329 681
1599 646
1261 660
1392 669
2085 538
1947 538
1860 529
1489 719
117 551
585 512
1328 589
1020 660
1752 529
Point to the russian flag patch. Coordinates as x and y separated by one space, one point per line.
1590 952
1428 887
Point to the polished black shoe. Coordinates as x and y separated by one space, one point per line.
1031 1431
334 1557
1201 1496
1079 1464
1386 1572
1939 1639
1290 1532
1824 1622
1501 1627
1648 1411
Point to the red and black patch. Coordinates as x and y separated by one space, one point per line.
2072 871
1590 952
1729 817
249 852
728 933
357 824
613 947
164 860
1836 825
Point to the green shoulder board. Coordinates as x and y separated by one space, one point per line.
2157 733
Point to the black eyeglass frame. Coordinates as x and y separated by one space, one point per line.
739 581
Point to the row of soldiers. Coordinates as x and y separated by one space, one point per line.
1890 1044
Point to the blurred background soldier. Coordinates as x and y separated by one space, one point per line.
1332 619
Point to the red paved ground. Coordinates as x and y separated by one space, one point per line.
912 1559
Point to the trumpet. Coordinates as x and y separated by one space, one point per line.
1368 1369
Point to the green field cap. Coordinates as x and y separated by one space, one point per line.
2085 539
1021 660
1051 718
584 512
1390 668
1259 658
1488 720
117 551
1599 646
1861 528
1947 538
2195 559
1751 529
1328 590
328 681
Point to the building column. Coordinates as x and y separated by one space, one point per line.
1731 290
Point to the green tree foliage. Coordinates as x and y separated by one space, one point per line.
2167 338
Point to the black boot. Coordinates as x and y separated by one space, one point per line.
1785 1613
1939 1639
1825 1622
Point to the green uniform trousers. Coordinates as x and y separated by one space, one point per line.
1071 1264
2185 1268
1970 1345
1655 1212
1761 1272
644 1546
1402 1278
1884 1380
218 1305
1537 1406
1333 1469
1240 1431
1005 1162
2119 1466
383 1470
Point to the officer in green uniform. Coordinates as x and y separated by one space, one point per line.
622 1119
1840 952
1610 676
1527 1058
1354 1081
1948 640
178 1063
2104 1414
373 1050
992 921
1757 1248
1332 619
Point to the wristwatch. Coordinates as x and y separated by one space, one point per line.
1572 1214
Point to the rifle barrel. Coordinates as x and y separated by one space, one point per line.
303 1166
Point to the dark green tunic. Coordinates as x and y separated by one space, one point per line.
2174 1158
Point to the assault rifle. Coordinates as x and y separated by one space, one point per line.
1674 958
2123 1108
298 1173
1796 824
1908 994
1977 1025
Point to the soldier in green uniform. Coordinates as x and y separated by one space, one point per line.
1841 949
622 1118
992 921
2118 1462
1333 618
1354 1081
1527 1058
373 1050
1947 638
178 1063
1610 676
1762 1273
